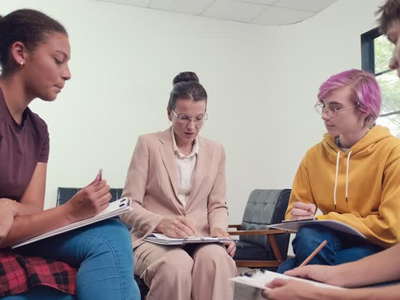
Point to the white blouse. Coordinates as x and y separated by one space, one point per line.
185 165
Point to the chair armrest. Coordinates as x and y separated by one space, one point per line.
237 226
271 236
257 232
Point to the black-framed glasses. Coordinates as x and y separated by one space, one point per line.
331 111
184 118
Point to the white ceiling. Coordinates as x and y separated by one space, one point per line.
260 12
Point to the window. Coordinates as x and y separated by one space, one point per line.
376 52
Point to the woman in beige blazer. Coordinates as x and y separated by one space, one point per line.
176 180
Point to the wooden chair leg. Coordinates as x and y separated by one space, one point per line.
275 248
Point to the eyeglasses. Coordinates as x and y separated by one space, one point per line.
183 118
330 110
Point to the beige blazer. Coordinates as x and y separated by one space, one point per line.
152 184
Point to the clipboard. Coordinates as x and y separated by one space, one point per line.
161 239
259 279
295 225
115 208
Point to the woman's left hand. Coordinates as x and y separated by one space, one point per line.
230 246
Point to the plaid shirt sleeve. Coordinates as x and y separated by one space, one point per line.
18 274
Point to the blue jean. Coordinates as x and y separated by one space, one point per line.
41 292
341 247
103 254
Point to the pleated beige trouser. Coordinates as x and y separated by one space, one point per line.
172 274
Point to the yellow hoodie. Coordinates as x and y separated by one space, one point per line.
359 187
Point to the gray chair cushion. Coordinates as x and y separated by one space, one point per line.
250 251
263 208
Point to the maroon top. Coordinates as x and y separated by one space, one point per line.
21 148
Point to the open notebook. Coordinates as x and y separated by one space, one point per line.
161 239
294 226
115 208
261 278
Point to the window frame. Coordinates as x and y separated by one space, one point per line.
368 50
368 58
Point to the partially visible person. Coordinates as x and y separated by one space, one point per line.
383 267
380 268
176 180
94 262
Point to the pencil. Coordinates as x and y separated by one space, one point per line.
311 256
99 176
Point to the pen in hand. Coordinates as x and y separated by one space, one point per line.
301 210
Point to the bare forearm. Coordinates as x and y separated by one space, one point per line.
25 227
88 202
386 266
382 293
22 209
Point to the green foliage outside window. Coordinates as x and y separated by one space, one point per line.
389 83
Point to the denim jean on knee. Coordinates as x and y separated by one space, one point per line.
103 254
341 247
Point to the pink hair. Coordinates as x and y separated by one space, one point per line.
365 91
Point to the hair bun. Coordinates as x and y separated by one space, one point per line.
185 77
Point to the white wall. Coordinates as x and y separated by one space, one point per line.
262 84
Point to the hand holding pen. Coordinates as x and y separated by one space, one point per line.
89 201
301 210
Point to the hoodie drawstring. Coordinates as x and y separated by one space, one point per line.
336 178
347 177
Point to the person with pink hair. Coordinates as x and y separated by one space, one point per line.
379 179
351 176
